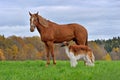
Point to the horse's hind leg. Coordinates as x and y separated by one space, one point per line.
80 42
52 53
76 41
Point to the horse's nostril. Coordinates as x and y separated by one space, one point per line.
31 30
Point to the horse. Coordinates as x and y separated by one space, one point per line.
52 32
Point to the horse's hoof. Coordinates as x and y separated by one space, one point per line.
47 64
54 63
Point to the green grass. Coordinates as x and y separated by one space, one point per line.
36 70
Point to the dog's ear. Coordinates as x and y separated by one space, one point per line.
64 44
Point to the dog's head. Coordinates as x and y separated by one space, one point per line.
64 44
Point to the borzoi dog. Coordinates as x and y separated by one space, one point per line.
76 52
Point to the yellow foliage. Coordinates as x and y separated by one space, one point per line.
95 45
116 49
107 57
14 50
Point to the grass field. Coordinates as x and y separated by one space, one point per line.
36 70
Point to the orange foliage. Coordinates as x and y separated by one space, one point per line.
2 57
39 55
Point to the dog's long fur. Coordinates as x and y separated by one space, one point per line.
75 52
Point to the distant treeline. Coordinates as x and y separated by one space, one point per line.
110 44
32 48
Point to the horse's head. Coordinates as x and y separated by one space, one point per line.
36 19
33 21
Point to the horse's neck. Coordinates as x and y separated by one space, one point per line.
40 28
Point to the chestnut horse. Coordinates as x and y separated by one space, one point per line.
55 33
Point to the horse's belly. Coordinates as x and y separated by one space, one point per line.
62 39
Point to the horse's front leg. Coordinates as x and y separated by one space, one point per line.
51 48
47 54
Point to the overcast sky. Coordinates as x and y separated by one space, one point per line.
100 17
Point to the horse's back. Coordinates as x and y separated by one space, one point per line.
77 27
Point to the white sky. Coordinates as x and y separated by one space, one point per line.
100 17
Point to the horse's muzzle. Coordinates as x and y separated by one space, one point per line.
32 29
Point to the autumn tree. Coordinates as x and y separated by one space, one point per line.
2 57
98 51
24 48
107 57
14 49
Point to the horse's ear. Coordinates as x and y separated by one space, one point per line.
43 21
37 13
30 14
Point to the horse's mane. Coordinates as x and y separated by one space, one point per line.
44 22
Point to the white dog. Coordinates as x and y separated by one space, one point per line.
75 52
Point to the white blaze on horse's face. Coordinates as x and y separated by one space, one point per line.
32 25
32 21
